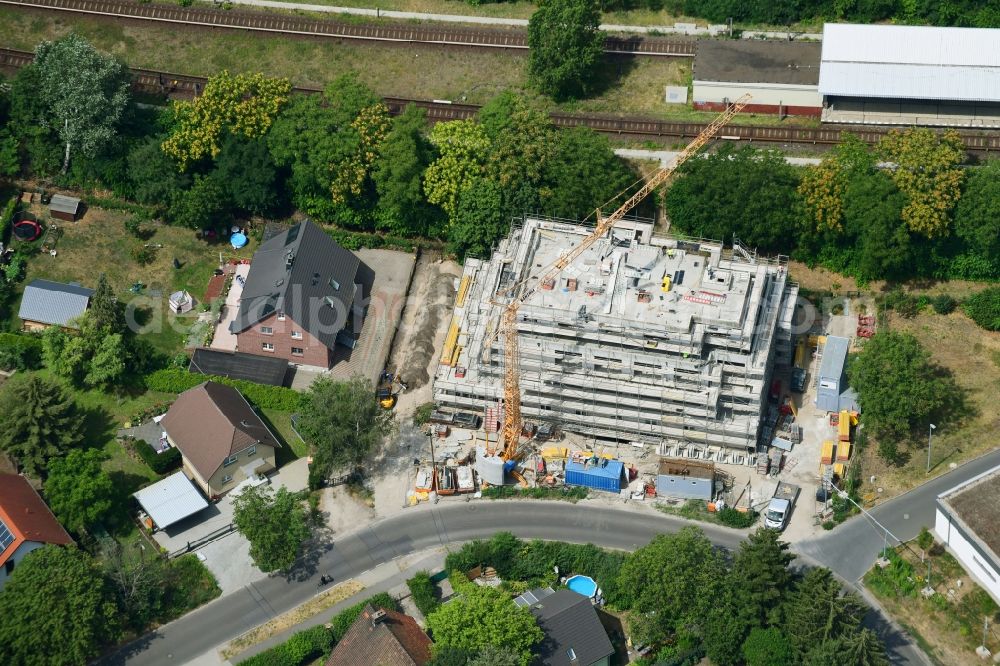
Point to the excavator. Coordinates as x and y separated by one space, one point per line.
510 433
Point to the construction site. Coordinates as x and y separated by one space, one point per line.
662 342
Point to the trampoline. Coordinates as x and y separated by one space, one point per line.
26 228
238 240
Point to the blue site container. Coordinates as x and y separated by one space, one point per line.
601 475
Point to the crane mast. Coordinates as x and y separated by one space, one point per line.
511 431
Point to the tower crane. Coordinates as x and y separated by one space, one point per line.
510 433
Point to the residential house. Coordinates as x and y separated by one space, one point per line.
26 523
574 635
382 638
45 304
221 438
303 296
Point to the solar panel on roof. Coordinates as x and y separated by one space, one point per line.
6 536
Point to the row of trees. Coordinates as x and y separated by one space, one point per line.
682 596
248 146
922 217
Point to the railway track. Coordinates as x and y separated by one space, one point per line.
305 26
185 86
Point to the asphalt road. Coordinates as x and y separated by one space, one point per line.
849 550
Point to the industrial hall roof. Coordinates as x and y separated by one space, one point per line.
743 61
54 303
211 422
304 274
239 365
25 517
910 62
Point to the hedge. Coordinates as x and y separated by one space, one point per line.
422 591
343 620
20 352
161 463
176 380
7 218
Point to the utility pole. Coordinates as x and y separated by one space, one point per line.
886 533
930 433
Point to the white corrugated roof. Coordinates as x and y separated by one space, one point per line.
170 500
911 62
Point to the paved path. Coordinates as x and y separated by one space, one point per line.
417 530
677 29
666 156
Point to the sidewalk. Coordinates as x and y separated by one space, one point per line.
389 577
676 29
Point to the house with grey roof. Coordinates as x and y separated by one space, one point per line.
303 297
574 635
45 304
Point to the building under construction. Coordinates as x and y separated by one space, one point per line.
654 340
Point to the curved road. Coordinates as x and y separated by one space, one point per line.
416 530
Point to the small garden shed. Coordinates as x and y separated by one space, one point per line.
64 208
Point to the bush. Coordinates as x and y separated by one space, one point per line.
20 352
343 620
730 517
304 647
568 493
422 414
422 591
905 305
143 254
176 380
7 218
161 463
944 304
984 308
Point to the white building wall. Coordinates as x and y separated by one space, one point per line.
16 558
763 93
979 567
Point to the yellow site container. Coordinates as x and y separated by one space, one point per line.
844 451
844 427
839 469
555 453
800 353
828 451
665 286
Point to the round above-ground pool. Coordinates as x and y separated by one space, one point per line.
584 585
238 240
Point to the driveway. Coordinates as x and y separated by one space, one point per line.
223 338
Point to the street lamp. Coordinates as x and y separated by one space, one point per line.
930 433
885 530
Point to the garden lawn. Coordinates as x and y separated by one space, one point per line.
99 243
291 446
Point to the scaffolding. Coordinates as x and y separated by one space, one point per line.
612 351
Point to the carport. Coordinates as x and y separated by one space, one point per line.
170 500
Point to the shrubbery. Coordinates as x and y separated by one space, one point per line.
6 218
568 493
161 463
731 517
984 308
422 591
175 380
944 304
20 352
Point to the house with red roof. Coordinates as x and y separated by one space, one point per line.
26 523
382 637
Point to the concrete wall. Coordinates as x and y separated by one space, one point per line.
767 98
314 352
18 555
670 485
980 565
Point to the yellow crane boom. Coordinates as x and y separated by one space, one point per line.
511 432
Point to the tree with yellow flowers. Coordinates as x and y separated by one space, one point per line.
240 104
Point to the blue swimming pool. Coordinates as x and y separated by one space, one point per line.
584 585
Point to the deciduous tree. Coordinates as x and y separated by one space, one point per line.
248 175
275 524
479 220
977 218
398 175
203 206
342 422
84 92
565 46
463 150
154 175
927 171
583 174
482 617
56 609
898 386
79 492
243 104
38 422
